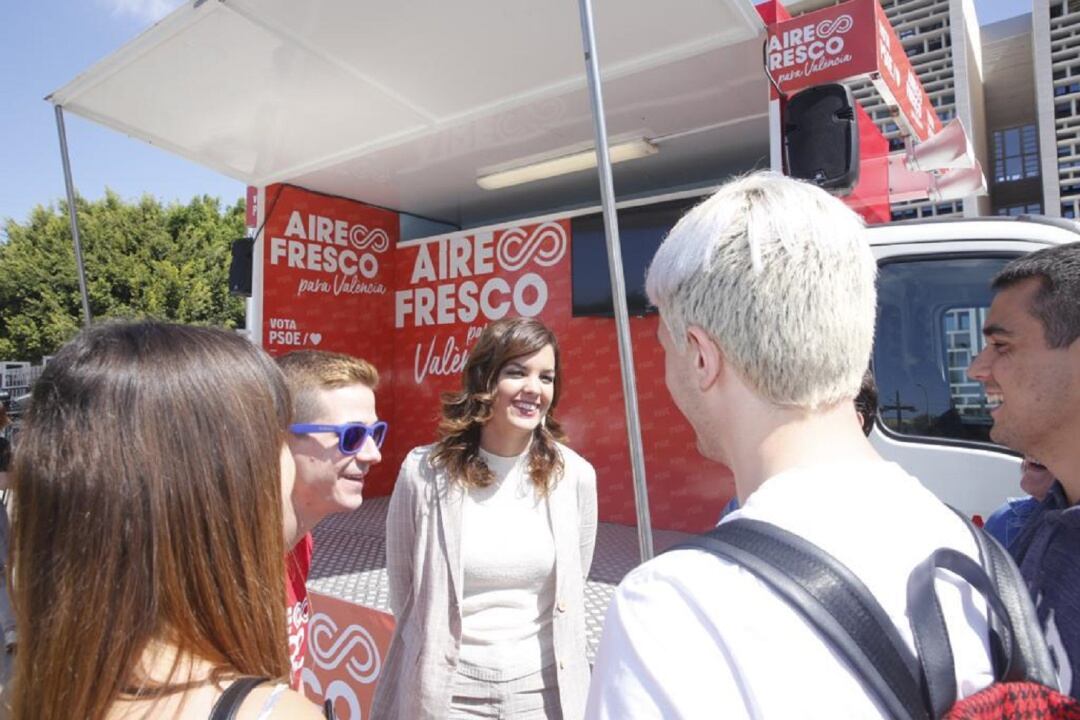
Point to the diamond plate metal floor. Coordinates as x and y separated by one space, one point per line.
350 561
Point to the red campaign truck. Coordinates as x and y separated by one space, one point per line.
420 169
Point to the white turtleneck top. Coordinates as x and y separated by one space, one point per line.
508 566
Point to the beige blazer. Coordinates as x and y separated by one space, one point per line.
423 558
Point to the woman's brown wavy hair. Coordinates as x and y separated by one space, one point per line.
147 508
464 413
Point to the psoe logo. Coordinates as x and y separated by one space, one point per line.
813 46
322 244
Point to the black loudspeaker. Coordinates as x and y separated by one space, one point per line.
240 267
821 138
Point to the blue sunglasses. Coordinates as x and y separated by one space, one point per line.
351 436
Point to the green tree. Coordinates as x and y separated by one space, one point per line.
142 260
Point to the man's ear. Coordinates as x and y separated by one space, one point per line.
707 357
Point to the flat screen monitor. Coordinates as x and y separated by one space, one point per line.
641 230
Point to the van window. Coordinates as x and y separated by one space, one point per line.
929 328
641 230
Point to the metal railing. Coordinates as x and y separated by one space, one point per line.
15 382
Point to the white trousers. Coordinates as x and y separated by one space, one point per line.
532 697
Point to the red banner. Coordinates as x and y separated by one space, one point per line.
844 42
870 196
898 83
328 274
347 645
828 45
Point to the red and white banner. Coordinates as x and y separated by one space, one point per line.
328 274
829 45
844 42
347 646
453 285
898 83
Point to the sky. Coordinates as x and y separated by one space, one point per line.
45 43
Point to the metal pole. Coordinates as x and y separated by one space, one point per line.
70 187
618 285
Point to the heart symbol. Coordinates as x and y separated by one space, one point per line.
315 338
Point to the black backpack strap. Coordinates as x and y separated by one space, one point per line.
832 600
1027 657
230 701
1018 648
928 623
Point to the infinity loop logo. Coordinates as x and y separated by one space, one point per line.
361 238
838 26
329 652
545 245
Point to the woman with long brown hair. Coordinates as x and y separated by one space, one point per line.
489 539
147 542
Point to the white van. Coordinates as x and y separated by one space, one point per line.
933 295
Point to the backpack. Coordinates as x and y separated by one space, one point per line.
908 686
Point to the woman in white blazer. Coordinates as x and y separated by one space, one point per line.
489 539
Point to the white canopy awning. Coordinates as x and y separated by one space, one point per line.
403 104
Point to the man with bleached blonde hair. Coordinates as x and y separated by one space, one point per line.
767 303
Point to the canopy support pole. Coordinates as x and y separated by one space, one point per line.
618 285
70 187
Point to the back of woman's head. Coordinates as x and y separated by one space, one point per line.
147 507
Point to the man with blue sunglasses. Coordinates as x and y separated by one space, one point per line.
334 438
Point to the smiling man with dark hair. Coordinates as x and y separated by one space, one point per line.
1030 368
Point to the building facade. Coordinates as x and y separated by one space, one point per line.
1013 175
1055 38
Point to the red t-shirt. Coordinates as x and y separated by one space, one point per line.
298 610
